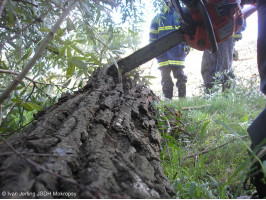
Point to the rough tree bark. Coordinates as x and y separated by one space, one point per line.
99 142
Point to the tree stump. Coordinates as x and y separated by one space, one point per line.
100 142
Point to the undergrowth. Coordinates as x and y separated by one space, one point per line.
205 143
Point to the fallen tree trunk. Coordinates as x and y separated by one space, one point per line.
101 142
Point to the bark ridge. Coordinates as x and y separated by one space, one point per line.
103 140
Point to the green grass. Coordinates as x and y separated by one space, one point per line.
205 142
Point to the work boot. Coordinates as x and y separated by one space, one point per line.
259 179
181 90
168 91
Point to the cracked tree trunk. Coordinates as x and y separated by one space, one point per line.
101 142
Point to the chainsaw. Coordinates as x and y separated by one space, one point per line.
204 25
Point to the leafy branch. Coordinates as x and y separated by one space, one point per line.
37 55
28 78
26 2
25 28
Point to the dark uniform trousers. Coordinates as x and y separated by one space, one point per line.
167 83
217 67
257 130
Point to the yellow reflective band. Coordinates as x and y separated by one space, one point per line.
162 28
154 31
167 28
237 36
171 62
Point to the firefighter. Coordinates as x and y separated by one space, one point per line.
174 59
257 130
217 67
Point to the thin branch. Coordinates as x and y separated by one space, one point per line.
108 2
14 105
28 78
195 122
195 107
37 55
208 150
23 109
0 114
180 129
9 113
26 2
168 131
176 127
56 4
98 38
16 73
104 7
5 134
168 153
3 26
173 114
23 29
168 125
2 7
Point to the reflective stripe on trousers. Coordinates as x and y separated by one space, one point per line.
171 62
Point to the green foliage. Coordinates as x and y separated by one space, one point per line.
93 34
205 146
